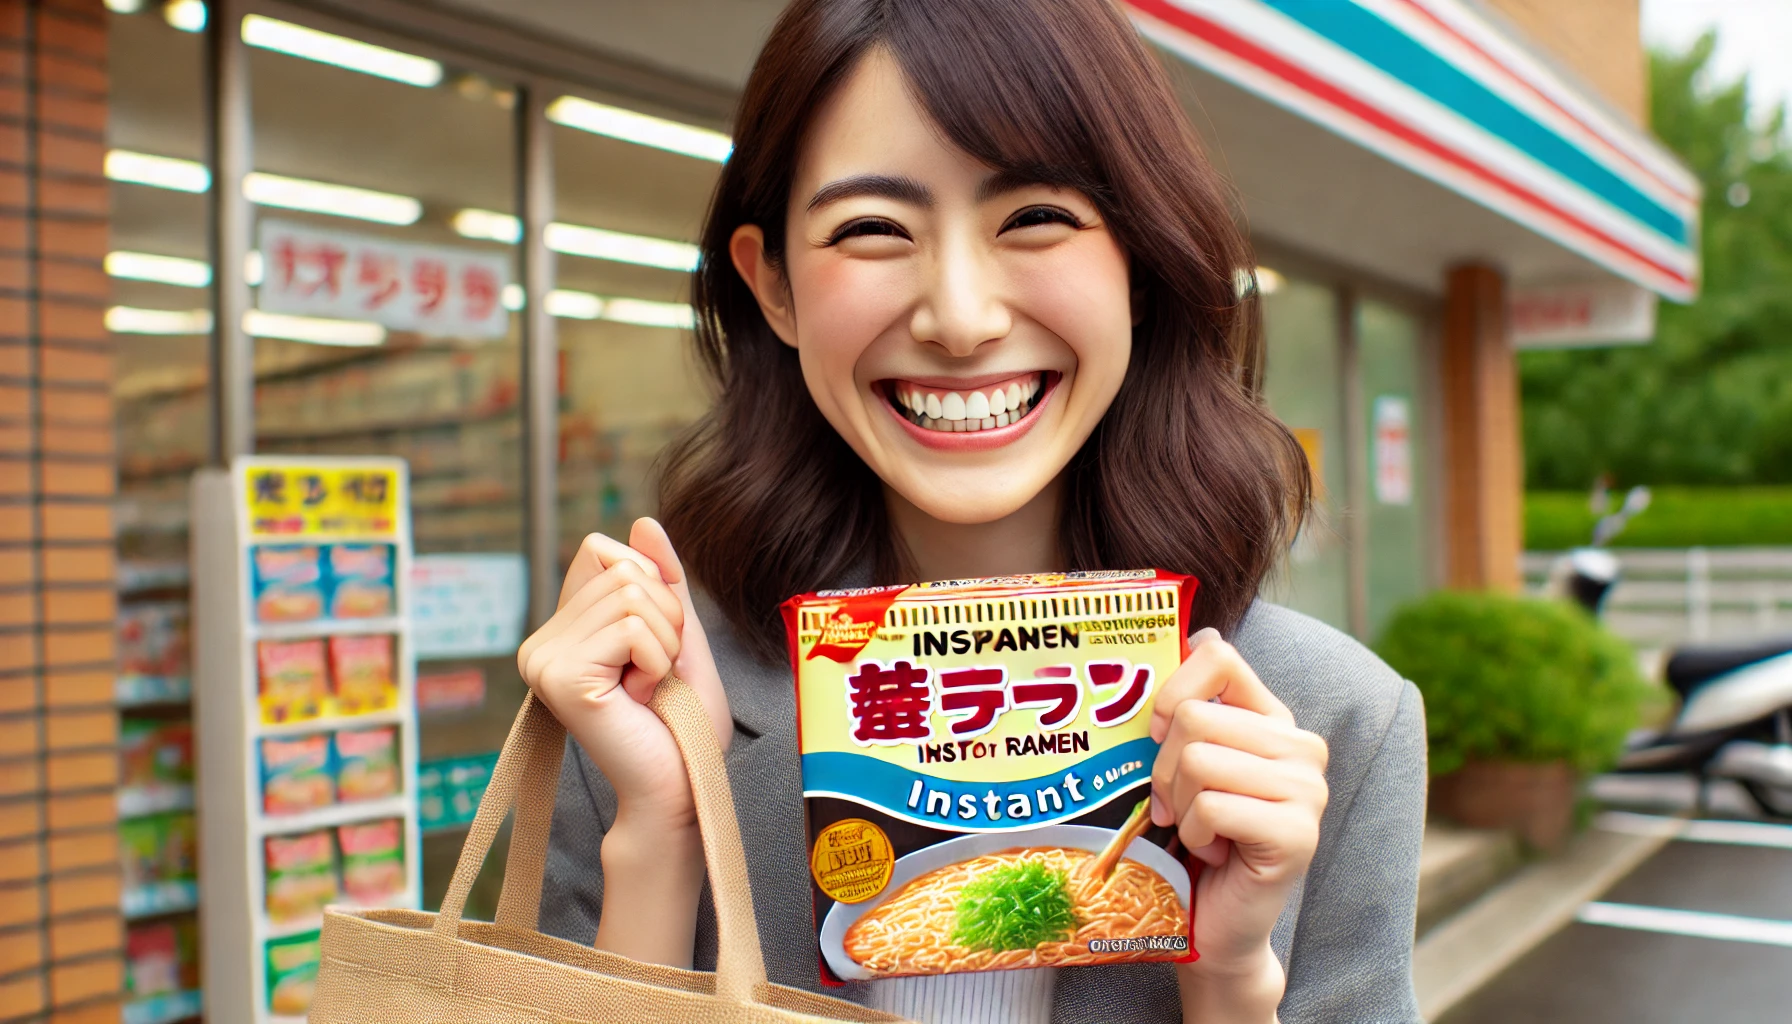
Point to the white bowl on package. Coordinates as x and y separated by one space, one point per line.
976 844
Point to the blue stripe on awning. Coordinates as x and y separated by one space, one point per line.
1399 55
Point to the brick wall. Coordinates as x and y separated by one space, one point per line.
60 929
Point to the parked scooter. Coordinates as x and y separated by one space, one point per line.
1735 718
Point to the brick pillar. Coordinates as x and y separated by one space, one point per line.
1483 464
60 929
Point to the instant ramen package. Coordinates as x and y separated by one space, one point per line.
976 759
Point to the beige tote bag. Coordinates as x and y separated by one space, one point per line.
387 966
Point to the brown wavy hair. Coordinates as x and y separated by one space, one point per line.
1187 471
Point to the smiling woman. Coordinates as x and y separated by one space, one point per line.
972 209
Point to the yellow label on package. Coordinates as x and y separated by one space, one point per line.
976 756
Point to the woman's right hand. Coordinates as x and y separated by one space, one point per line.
624 623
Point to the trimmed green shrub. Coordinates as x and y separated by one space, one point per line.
1515 679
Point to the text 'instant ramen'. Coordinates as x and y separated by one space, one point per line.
976 772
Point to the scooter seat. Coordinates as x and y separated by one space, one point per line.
1694 664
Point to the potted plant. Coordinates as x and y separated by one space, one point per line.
1522 696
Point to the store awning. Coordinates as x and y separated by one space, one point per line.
1437 89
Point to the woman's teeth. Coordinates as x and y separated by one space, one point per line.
967 411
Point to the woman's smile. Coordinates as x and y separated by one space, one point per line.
972 413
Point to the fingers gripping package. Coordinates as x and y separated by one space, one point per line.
976 759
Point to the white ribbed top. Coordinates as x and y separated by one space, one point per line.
987 997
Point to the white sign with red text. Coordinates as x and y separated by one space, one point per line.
1393 450
437 290
1581 315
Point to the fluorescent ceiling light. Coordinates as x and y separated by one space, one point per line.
578 240
143 266
131 320
511 297
335 200
157 171
124 6
649 314
186 15
586 306
600 244
487 226
574 305
641 129
315 330
253 267
299 41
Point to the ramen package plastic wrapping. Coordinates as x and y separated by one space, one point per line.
976 762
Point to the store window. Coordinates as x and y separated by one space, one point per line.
1304 387
631 190
159 274
381 326
1396 513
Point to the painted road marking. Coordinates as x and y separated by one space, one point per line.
1688 922
1734 833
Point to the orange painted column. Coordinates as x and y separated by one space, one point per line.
1483 455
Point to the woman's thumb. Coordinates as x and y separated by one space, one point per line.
695 665
649 538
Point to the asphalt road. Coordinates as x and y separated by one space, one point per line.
1731 888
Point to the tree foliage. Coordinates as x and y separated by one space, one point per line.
1710 400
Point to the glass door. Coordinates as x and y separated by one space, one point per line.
385 322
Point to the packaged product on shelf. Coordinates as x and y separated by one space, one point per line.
289 582
140 850
366 764
301 875
432 796
294 682
362 669
361 581
295 774
292 973
153 753
466 780
153 641
161 957
372 860
158 848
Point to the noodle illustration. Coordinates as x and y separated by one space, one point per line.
922 928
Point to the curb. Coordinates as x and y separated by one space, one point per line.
1464 952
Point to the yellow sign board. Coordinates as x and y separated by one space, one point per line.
297 500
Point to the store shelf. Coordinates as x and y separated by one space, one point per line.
159 898
147 691
165 1008
139 801
452 419
138 576
330 817
391 716
324 627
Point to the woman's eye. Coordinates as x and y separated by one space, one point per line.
867 227
1033 216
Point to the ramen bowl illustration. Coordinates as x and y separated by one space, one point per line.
994 900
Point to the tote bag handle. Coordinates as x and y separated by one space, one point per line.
527 776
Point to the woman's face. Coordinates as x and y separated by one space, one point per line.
963 331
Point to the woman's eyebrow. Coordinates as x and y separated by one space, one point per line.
901 189
1009 180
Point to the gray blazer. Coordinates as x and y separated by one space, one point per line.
1345 936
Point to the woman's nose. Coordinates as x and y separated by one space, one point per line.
962 306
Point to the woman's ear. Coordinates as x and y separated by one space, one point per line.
747 250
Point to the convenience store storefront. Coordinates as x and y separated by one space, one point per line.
534 174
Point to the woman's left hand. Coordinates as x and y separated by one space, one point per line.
1245 788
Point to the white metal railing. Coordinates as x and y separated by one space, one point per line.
1668 596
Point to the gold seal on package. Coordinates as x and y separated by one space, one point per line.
976 759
